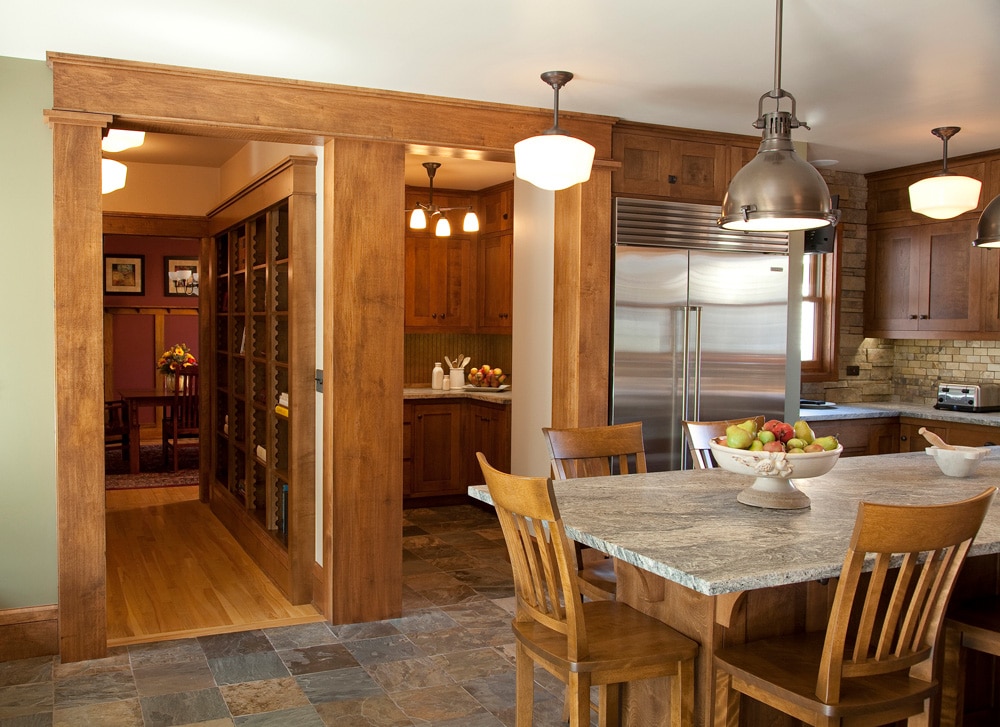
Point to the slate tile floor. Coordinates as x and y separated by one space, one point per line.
448 662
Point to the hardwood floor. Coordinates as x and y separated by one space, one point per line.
174 571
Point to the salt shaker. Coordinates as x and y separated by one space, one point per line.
437 376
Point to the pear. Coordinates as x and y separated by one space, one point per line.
795 443
737 438
756 445
829 443
749 425
803 431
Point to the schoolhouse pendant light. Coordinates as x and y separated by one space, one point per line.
112 175
988 230
945 195
122 139
778 190
442 226
553 160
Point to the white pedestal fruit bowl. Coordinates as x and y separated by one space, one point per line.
774 487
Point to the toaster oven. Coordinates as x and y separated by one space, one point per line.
968 397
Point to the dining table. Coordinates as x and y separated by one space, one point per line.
721 572
133 400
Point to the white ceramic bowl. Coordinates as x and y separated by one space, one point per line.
775 464
774 487
958 462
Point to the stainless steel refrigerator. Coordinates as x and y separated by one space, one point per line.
700 323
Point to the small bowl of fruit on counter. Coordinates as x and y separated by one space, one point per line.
775 454
487 377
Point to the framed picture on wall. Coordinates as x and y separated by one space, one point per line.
180 275
124 274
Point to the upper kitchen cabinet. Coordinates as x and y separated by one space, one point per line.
440 272
680 164
924 281
496 260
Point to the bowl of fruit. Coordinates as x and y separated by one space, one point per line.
487 377
775 455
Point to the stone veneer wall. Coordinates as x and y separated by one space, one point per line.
891 370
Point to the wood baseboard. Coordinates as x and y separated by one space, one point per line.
29 632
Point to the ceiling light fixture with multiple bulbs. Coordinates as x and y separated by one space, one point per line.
113 173
442 227
946 194
777 190
553 160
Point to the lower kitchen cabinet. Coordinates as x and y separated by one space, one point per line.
440 441
862 436
965 435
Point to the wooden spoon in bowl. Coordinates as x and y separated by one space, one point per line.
934 439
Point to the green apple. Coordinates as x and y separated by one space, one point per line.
765 436
737 438
795 443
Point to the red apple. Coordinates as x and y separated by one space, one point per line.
775 446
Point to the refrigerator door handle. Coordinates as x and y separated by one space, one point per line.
697 362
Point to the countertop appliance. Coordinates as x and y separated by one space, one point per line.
700 323
968 397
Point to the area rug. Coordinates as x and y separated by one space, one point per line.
151 470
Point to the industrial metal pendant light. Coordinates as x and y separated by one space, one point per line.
778 190
442 227
988 229
945 195
553 160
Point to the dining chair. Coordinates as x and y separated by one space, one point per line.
698 435
593 452
116 427
875 663
971 625
181 422
581 643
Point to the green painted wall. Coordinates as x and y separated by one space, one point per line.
28 564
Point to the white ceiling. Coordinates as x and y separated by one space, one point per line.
872 77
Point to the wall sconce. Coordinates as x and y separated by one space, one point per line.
554 160
778 190
442 227
945 195
184 281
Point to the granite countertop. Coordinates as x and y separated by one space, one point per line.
478 393
873 410
689 528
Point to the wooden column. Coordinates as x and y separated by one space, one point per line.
76 175
363 380
582 300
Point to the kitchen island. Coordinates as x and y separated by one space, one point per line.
722 572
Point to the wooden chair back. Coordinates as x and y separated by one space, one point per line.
542 558
182 421
115 425
893 623
698 435
590 451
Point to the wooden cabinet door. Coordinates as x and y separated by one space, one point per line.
496 210
965 435
407 448
893 281
861 437
691 171
924 281
496 281
488 430
437 448
440 284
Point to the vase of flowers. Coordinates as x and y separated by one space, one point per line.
176 361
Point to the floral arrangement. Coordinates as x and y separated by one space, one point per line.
176 360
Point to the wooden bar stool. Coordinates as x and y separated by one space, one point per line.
698 435
599 643
591 452
875 663
972 625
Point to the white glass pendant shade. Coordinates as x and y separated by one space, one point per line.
443 227
988 229
945 196
553 161
470 223
112 175
122 139
418 220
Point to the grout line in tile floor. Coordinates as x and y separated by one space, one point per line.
447 662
